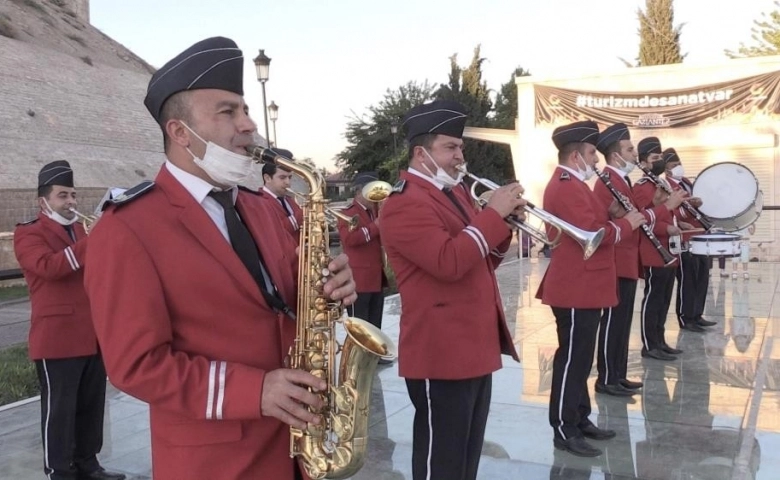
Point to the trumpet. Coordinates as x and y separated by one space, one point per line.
87 220
589 241
376 191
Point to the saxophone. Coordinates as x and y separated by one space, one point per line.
336 447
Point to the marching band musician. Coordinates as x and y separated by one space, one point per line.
615 328
693 275
191 318
659 278
364 248
276 181
444 253
51 250
577 289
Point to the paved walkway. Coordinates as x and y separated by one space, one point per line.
712 414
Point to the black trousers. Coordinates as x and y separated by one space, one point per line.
659 285
614 332
73 398
693 278
569 398
369 306
449 426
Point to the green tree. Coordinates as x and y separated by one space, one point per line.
659 39
465 85
506 101
765 35
372 146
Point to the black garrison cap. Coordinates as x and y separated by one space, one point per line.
578 132
363 178
670 155
215 62
612 134
649 145
56 173
442 117
270 168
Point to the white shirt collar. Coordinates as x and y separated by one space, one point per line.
269 192
198 188
430 180
574 172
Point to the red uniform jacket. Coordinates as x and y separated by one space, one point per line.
364 249
53 266
452 319
184 327
644 191
570 281
627 258
291 223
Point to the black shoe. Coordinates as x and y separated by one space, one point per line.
658 354
101 474
614 390
632 385
577 446
673 351
692 327
595 433
705 323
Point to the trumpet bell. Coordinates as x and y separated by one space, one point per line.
376 191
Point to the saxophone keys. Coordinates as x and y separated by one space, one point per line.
342 427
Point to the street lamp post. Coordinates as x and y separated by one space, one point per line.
273 112
262 64
394 131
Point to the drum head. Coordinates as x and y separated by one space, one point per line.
726 189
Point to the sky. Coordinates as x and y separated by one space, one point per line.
331 59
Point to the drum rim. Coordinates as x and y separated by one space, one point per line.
755 179
713 237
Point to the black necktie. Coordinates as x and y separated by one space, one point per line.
454 200
628 180
71 233
286 207
246 249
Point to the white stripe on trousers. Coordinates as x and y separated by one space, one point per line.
46 424
606 343
645 301
680 296
430 427
563 383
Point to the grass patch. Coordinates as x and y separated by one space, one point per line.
18 379
34 4
12 293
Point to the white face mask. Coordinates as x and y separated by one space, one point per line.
57 217
678 172
627 167
441 175
588 173
221 165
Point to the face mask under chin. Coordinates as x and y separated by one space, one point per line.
57 217
224 167
441 175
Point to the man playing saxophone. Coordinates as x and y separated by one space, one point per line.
444 253
192 284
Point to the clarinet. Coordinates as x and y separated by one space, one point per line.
692 211
627 206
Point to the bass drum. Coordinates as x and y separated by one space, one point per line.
730 196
